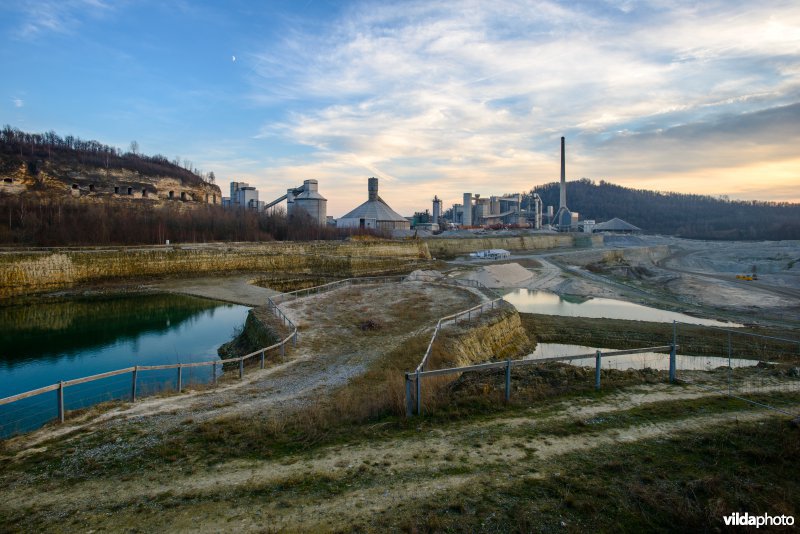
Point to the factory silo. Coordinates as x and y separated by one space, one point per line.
310 201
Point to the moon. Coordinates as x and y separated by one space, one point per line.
233 58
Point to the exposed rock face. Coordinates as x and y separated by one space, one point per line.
499 338
97 184
447 247
31 272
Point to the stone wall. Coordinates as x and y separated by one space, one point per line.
31 272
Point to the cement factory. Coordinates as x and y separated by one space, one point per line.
475 211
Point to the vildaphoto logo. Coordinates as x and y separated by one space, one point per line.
746 520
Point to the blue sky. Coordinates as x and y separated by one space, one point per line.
431 97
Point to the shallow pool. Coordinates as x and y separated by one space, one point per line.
531 301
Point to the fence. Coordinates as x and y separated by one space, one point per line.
30 416
34 414
760 369
414 380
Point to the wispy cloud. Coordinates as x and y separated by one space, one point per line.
475 96
57 16
18 102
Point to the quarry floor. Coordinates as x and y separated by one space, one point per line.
385 476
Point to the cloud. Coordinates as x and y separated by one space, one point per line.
18 102
474 98
57 16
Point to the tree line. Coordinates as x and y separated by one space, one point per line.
684 215
18 147
33 221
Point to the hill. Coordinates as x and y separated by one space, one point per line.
49 166
683 215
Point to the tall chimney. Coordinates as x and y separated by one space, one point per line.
563 199
372 187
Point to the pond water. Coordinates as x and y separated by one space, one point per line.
653 360
42 344
531 301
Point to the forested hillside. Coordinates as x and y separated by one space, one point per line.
691 216
35 149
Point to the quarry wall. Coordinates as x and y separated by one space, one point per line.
449 247
634 255
501 337
28 272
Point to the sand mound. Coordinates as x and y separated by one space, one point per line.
504 275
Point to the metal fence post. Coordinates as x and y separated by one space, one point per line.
409 401
419 392
672 360
133 383
262 359
214 374
61 401
597 359
294 338
180 377
241 368
508 380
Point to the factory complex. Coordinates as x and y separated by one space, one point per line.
516 210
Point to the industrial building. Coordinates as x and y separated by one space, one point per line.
243 196
505 210
305 199
374 213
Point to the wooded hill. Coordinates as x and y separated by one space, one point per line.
34 149
683 215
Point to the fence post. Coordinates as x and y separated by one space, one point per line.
409 401
180 377
597 359
61 401
283 350
508 380
241 368
133 383
672 358
419 399
730 369
262 359
294 338
214 374
469 315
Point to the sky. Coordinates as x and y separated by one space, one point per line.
433 98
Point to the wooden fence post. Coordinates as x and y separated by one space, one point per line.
180 377
598 357
241 368
61 401
133 383
508 380
214 374
409 401
419 395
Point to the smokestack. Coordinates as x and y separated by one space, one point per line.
563 199
372 187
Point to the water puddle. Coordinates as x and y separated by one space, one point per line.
652 360
531 301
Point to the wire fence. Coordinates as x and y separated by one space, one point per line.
29 410
757 368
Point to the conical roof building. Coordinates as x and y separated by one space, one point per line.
374 213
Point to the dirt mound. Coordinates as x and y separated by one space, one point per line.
504 275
